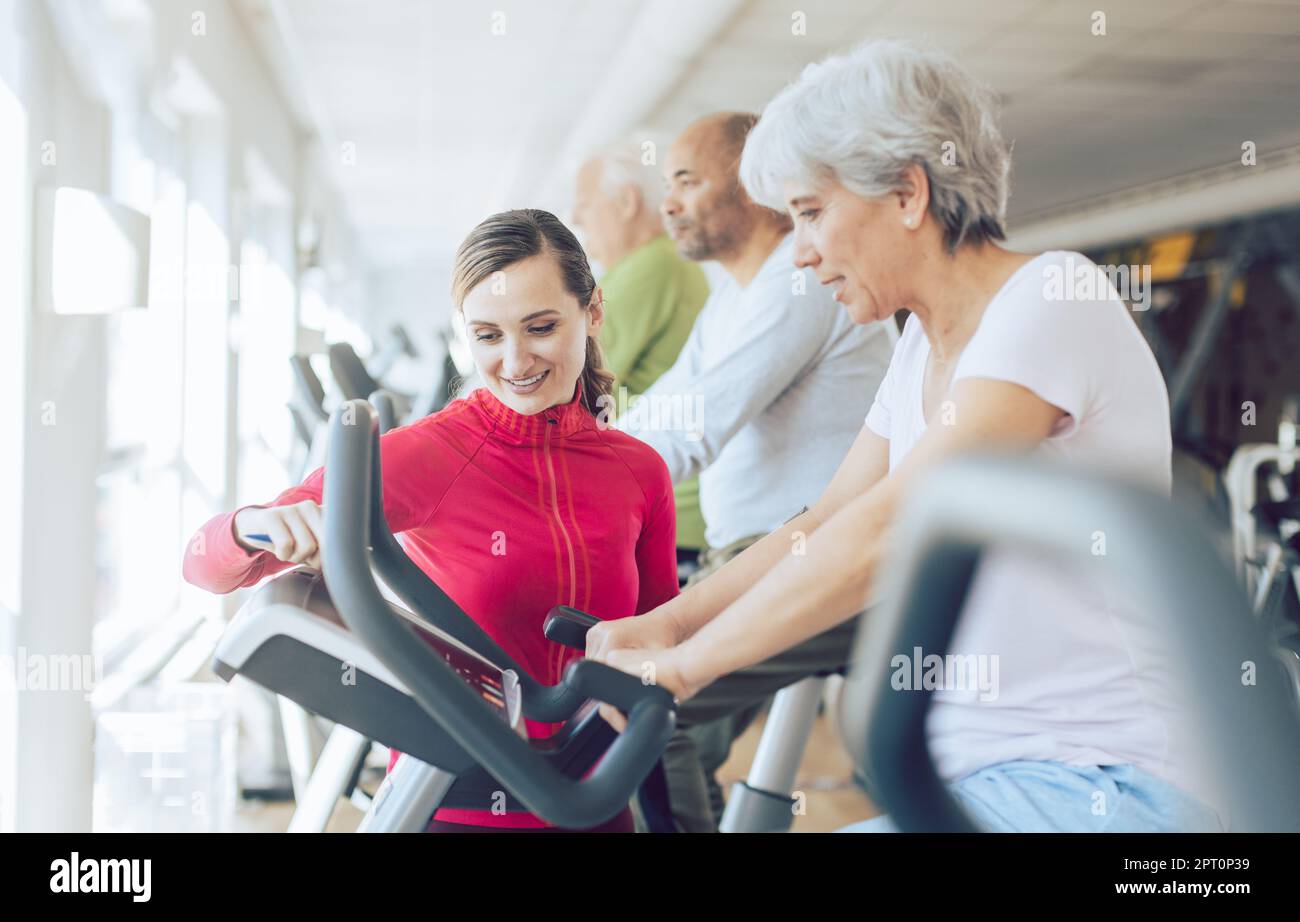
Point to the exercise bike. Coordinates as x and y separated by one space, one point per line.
1246 733
423 678
1266 536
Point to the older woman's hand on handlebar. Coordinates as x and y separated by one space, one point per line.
653 630
653 667
292 533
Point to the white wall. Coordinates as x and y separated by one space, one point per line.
63 374
15 219
93 86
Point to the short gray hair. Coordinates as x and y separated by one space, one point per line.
623 164
860 118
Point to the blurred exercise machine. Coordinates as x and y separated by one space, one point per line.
310 417
357 381
1220 294
310 404
1266 536
1249 730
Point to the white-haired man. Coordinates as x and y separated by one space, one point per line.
652 296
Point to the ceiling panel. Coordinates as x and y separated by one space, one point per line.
451 121
1173 86
1120 18
445 115
1231 16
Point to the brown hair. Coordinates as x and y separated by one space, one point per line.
513 236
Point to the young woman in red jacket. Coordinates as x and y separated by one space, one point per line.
514 499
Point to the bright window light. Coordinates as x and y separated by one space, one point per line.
98 253
13 252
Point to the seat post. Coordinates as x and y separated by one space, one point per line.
764 801
344 752
407 798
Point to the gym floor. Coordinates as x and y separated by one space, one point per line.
825 775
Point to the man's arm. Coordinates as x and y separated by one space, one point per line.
774 341
683 370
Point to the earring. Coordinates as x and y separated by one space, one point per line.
907 222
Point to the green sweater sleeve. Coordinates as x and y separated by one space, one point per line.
652 298
639 297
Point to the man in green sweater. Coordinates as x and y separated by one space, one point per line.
652 295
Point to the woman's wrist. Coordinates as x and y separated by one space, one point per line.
685 613
693 666
237 531
668 612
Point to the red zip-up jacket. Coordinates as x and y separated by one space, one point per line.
511 515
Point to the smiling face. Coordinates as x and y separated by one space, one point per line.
528 334
858 246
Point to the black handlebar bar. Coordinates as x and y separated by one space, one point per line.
353 511
425 598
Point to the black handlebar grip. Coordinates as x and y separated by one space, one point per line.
568 626
612 686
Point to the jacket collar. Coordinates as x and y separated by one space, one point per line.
566 418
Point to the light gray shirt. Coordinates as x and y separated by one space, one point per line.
765 399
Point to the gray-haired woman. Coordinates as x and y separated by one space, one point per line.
890 161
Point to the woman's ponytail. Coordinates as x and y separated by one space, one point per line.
596 381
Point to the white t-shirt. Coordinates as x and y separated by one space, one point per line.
1082 678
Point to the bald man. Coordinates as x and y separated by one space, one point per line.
773 382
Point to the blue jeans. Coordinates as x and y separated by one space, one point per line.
1029 796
